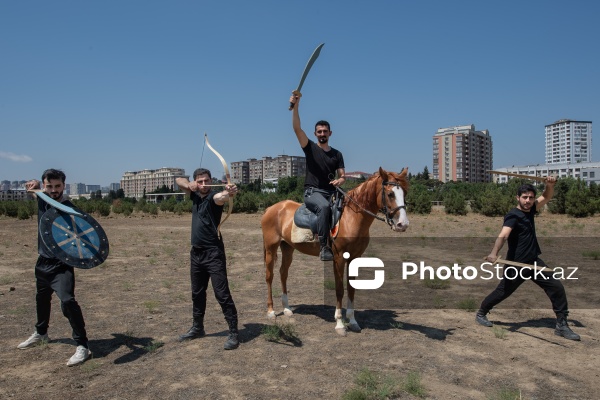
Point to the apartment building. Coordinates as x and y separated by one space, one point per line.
462 154
267 169
136 183
568 141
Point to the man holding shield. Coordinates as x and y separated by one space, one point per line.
54 276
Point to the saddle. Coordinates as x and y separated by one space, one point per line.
304 228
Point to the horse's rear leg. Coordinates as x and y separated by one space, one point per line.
352 324
270 255
287 254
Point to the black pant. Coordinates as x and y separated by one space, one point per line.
53 276
210 263
512 280
319 203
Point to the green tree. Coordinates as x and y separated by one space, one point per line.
455 203
418 199
578 201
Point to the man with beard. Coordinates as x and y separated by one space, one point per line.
207 257
54 276
519 231
322 164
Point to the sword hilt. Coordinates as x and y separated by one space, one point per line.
297 94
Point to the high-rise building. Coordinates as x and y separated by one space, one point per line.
569 141
137 183
461 153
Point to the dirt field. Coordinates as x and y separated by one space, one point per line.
138 302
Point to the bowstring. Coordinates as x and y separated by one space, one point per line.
203 146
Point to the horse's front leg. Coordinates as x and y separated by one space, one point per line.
352 324
338 271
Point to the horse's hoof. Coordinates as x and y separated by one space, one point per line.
271 315
341 331
287 312
354 328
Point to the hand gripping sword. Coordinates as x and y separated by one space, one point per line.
309 65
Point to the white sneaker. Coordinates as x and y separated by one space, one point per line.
81 354
33 339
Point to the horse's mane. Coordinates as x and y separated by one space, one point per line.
362 192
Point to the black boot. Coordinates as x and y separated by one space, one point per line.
481 318
326 253
232 341
562 329
195 332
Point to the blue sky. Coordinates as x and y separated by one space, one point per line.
98 88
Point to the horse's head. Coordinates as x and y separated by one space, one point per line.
393 195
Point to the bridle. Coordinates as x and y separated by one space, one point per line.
389 214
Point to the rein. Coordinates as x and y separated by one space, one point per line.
389 214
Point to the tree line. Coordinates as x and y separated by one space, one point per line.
571 196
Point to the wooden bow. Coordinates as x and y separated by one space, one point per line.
227 175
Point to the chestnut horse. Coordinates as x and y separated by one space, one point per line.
384 191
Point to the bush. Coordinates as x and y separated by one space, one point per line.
455 203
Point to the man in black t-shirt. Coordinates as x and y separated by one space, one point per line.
519 230
322 164
207 257
54 276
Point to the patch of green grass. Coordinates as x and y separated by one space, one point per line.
170 251
439 302
329 284
469 304
413 385
127 286
593 254
167 283
370 385
151 306
397 325
281 331
506 393
18 310
6 279
152 261
128 338
153 346
89 366
499 332
437 283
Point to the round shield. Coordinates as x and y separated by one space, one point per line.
76 240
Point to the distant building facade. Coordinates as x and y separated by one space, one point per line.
267 169
14 194
462 154
586 171
568 141
136 183
77 189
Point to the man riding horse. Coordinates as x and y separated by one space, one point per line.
322 164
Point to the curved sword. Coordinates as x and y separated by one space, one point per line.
309 65
64 208
227 176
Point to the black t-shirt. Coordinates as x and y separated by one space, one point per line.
206 216
42 208
522 241
321 166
